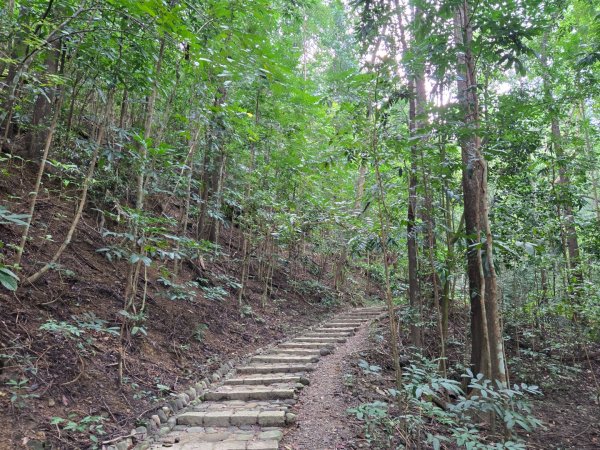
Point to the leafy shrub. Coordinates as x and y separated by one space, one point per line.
216 293
90 425
378 424
425 391
18 392
176 291
314 288
200 331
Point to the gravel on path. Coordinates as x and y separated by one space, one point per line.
322 422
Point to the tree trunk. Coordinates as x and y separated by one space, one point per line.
139 202
38 182
589 149
487 346
84 190
565 203
42 107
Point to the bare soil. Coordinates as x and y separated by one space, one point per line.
322 421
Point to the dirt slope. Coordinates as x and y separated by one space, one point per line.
68 369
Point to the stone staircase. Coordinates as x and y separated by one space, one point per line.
248 409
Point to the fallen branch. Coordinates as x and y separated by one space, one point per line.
118 438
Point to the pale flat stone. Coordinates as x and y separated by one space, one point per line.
271 418
273 435
263 445
244 417
217 418
307 345
192 418
216 437
194 446
275 368
284 359
264 380
320 339
249 393
230 445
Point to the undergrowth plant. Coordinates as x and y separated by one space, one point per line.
91 427
438 412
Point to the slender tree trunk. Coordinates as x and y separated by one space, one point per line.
204 185
414 294
42 106
589 149
218 180
38 181
565 203
185 211
360 187
84 190
417 100
245 204
139 202
487 345
123 113
74 93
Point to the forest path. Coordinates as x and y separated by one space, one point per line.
322 421
250 407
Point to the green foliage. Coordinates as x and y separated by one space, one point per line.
175 291
214 293
315 289
64 329
8 278
90 426
369 368
9 218
200 332
19 395
509 405
375 416
89 321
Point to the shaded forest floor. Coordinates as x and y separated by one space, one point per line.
59 342
569 408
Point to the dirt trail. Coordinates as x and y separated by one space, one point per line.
252 407
322 422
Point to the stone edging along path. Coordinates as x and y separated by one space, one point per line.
248 409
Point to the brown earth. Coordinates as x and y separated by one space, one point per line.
65 375
322 420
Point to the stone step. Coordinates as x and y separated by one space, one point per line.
301 351
230 438
336 330
257 392
328 335
226 445
235 405
237 418
358 315
265 379
320 339
275 368
349 325
307 345
348 321
285 359
361 319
